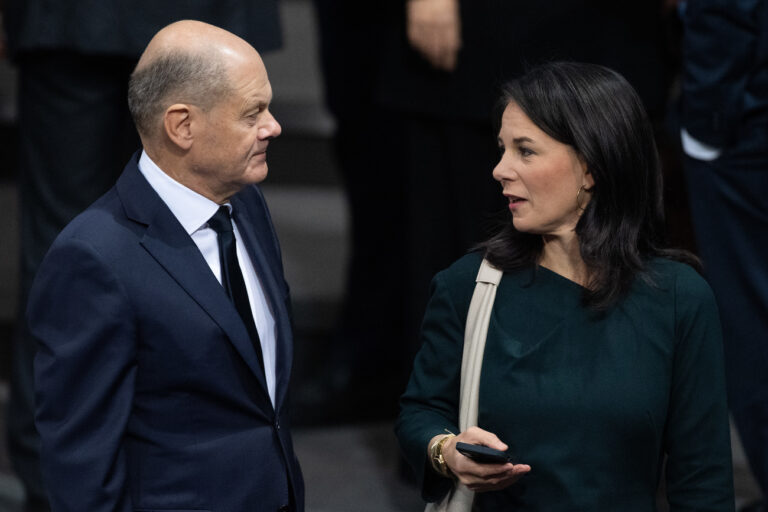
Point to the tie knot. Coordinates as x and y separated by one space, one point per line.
221 222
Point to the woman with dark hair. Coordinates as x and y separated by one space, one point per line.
603 354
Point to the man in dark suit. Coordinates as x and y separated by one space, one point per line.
162 313
725 138
74 59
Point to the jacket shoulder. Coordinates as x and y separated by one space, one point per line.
462 272
456 283
680 277
103 225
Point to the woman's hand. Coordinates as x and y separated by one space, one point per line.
481 477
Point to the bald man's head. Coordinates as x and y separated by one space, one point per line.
185 62
200 98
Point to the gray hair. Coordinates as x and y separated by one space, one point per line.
176 77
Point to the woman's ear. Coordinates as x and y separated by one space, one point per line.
177 124
587 180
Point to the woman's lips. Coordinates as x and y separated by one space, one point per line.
515 202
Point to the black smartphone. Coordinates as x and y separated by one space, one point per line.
483 454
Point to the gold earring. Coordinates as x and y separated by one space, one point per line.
578 198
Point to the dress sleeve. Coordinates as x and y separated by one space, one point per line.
84 379
430 404
697 434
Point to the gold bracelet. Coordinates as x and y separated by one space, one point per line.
436 456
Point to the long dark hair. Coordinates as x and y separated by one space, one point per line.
595 111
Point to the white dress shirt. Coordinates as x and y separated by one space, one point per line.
697 149
193 211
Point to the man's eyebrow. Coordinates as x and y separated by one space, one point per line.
255 102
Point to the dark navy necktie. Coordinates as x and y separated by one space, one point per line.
232 277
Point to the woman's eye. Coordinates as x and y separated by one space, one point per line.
525 152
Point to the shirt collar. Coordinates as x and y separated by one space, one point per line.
190 208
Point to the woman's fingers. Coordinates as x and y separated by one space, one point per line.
477 476
496 481
476 435
460 464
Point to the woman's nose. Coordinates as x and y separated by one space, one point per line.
503 170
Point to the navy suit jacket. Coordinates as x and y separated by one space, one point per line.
725 72
149 392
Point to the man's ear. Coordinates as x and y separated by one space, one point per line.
177 124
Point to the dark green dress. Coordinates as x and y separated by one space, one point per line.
591 402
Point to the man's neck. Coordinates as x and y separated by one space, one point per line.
175 168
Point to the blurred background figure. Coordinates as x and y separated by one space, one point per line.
363 376
725 139
73 60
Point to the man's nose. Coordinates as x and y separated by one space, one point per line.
271 128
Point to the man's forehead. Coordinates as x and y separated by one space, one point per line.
256 89
255 95
248 73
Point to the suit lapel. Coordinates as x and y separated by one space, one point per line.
166 240
256 230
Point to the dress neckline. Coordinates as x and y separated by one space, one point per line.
559 277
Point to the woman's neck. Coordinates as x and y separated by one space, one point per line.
562 255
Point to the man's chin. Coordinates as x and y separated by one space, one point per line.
257 173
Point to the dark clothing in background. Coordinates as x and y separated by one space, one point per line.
124 27
74 128
365 374
725 86
74 60
502 38
725 106
730 217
